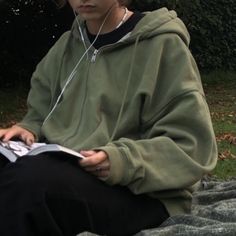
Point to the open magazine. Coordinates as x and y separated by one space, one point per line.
14 149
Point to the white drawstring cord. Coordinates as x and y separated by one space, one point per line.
74 71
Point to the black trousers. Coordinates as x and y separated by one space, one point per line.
51 195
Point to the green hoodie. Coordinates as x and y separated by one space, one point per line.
140 100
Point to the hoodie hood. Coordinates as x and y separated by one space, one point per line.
161 21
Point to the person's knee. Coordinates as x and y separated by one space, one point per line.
26 174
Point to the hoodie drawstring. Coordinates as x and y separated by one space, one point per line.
126 91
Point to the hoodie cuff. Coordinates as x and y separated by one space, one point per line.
117 164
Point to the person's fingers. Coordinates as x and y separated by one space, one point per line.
100 167
28 139
18 132
97 164
10 133
7 134
101 174
2 133
101 170
94 159
87 153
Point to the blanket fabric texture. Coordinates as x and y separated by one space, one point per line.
213 213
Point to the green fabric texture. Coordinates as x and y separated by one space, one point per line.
140 100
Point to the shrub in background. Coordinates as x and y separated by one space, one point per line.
28 28
212 26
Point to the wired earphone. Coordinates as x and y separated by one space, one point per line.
74 71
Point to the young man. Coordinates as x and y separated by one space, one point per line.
123 89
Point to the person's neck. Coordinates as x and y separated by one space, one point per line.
115 19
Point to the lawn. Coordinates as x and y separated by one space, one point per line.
220 89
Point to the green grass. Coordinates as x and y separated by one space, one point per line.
225 169
220 89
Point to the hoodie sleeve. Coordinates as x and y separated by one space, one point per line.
43 88
177 145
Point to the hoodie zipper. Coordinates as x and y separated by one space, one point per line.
94 56
96 51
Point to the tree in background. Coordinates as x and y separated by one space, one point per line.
212 26
28 28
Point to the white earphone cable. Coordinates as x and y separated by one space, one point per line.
74 71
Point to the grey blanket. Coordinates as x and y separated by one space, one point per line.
213 213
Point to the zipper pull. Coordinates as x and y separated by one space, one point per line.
93 59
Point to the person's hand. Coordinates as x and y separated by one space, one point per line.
96 163
17 132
